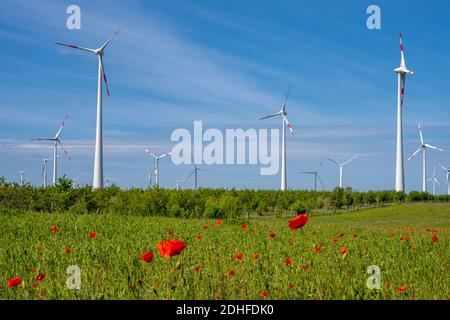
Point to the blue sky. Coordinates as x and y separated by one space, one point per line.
226 63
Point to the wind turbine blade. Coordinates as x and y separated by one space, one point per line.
416 152
109 40
350 160
43 170
64 150
306 172
444 168
104 76
42 139
402 62
270 116
286 99
61 127
433 147
289 125
150 153
326 158
323 185
75 47
165 155
420 133
190 175
436 180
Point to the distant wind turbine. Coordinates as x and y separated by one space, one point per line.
284 122
44 167
108 180
423 147
402 71
98 162
157 158
448 177
195 173
341 168
435 181
56 141
22 180
316 177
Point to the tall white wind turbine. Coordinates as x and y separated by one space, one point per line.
157 158
402 71
284 122
423 147
448 177
98 161
435 181
56 141
341 168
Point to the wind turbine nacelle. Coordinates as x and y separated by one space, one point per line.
403 70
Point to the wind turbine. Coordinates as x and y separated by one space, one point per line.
402 71
195 172
341 168
435 181
284 122
108 180
423 147
316 177
98 161
56 141
44 167
448 177
157 163
22 180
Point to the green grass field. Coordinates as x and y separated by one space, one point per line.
397 238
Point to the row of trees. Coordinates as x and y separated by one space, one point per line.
202 203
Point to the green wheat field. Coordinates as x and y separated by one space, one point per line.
326 259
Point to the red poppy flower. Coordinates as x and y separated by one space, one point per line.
298 222
205 227
288 261
170 248
199 237
404 238
335 240
14 282
343 250
230 273
54 229
434 239
306 266
263 294
341 235
92 235
413 249
40 277
239 256
388 284
198 268
401 289
35 284
219 222
255 256
170 232
272 234
354 236
244 226
147 256
318 249
68 250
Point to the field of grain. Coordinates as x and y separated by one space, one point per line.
259 258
